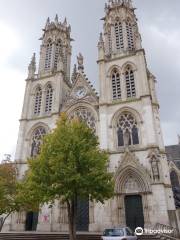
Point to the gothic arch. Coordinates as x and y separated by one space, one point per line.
126 109
34 89
131 178
137 175
29 133
49 83
174 178
49 95
129 64
130 166
87 112
83 104
111 69
127 130
48 40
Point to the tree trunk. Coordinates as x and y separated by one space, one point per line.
2 221
72 210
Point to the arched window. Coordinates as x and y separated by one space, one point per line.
85 115
176 188
174 179
37 140
130 83
49 98
127 130
119 35
110 42
130 37
58 51
116 85
38 101
48 54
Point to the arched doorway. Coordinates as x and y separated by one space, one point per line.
134 211
132 188
31 221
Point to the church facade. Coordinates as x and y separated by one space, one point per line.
125 117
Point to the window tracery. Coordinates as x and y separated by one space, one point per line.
130 37
116 85
110 42
38 101
130 83
127 130
119 35
48 54
49 98
85 115
38 134
58 51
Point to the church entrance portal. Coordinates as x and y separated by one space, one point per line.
82 220
134 211
31 221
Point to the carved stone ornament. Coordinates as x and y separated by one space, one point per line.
132 174
154 158
80 61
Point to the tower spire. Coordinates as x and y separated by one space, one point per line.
32 67
118 3
56 19
47 22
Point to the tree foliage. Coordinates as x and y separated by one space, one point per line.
8 190
70 166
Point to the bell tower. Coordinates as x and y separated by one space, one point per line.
121 34
55 50
130 126
46 89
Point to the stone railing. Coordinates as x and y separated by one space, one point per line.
171 232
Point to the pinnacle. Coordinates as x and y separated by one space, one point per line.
56 19
57 24
117 3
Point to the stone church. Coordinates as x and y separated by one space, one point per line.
124 115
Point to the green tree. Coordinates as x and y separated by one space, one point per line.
70 166
8 191
15 196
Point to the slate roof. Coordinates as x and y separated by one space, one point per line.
173 154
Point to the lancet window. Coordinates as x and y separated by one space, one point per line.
37 140
38 101
127 130
119 35
48 54
49 98
130 37
85 115
130 83
58 51
116 84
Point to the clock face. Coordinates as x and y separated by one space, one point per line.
80 92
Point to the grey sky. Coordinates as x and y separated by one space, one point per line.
21 22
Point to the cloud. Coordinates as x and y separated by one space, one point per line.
12 89
163 54
9 42
11 99
170 132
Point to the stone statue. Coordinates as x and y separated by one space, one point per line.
126 138
80 61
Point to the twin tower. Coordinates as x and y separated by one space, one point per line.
125 117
